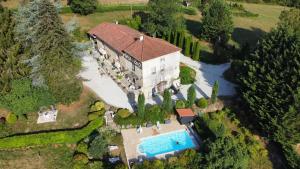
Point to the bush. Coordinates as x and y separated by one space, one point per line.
154 114
93 116
84 7
47 138
124 113
96 165
11 118
131 120
189 10
80 158
187 75
180 104
97 106
82 147
202 103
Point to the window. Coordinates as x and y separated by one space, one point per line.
133 66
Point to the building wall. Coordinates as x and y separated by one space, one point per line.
164 68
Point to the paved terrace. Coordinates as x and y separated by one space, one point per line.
131 138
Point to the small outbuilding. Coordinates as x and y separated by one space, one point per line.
185 116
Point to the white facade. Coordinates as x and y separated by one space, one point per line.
160 72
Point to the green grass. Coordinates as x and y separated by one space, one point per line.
48 138
45 157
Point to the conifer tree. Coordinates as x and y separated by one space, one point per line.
191 95
215 91
54 58
181 39
187 47
12 57
175 39
196 51
167 102
169 36
141 106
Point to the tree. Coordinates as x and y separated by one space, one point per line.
169 36
181 39
12 57
196 52
24 98
84 7
269 86
187 48
291 20
141 106
167 102
164 16
175 35
98 147
55 64
217 24
191 95
215 91
225 153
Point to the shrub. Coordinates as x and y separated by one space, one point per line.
97 106
80 158
180 104
202 103
131 120
84 7
123 113
187 75
98 147
154 114
82 147
96 165
11 118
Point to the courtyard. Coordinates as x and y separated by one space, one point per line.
107 89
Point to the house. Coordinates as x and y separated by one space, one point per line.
145 64
185 116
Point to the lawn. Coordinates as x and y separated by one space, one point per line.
250 29
72 116
90 21
46 157
246 29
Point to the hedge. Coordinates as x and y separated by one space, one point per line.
46 138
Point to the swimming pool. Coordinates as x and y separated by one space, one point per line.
164 143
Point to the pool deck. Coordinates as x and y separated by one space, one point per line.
131 138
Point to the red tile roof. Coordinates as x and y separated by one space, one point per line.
124 39
185 112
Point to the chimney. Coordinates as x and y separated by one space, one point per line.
141 38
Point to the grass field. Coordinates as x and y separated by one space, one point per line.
250 29
46 157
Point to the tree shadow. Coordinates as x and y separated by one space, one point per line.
193 27
251 36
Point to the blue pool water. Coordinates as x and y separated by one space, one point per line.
164 143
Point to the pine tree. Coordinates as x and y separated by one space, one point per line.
191 95
141 106
215 91
196 51
55 60
12 57
84 7
167 102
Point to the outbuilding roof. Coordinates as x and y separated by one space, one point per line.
185 112
136 44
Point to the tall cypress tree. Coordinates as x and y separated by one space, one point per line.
191 95
187 47
215 91
141 106
181 39
54 60
12 56
167 102
196 51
